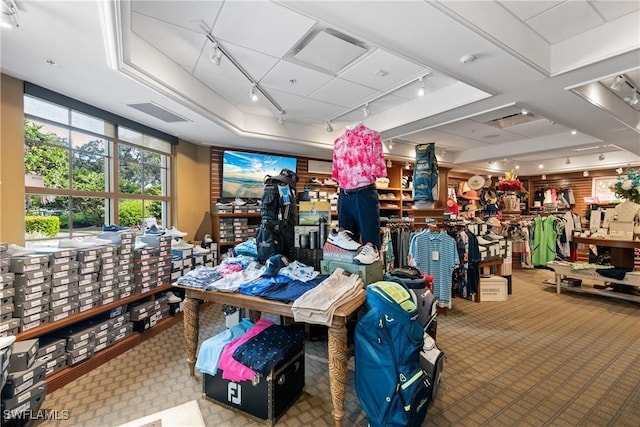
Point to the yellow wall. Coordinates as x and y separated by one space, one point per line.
11 160
191 174
192 190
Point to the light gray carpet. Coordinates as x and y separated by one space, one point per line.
539 359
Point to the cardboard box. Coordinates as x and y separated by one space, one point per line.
334 253
19 381
23 355
267 400
493 288
17 410
369 273
311 257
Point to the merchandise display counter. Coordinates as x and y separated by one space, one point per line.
621 250
337 342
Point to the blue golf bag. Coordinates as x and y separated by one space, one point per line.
392 388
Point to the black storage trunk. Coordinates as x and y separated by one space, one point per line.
267 400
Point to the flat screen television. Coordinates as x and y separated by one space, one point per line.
243 173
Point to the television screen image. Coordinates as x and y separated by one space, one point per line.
243 173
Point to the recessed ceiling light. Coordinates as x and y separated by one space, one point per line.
540 166
524 111
573 132
517 166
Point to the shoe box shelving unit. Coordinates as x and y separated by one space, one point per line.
44 293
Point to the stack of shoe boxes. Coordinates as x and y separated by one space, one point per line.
32 285
7 292
126 263
144 269
145 315
64 284
88 284
177 264
185 255
164 260
80 342
108 274
52 352
226 230
241 229
25 388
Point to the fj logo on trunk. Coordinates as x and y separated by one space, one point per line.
234 393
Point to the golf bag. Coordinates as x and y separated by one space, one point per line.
427 304
279 215
392 388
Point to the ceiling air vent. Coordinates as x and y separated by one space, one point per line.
326 50
160 113
513 120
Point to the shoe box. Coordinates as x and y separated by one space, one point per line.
153 318
17 410
332 252
23 354
10 326
368 273
19 381
265 399
5 355
50 348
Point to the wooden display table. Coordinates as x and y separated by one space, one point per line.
621 250
337 343
563 269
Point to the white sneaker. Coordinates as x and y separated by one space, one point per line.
329 181
239 202
368 255
7 341
180 244
173 298
150 222
342 239
174 233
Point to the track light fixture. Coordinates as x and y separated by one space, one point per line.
421 87
617 83
619 171
568 161
215 56
365 110
601 157
390 144
329 127
524 111
585 173
9 14
282 117
254 94
389 163
219 52
407 166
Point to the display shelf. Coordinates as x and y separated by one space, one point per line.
587 289
70 373
53 326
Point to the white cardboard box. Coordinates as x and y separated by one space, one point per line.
493 288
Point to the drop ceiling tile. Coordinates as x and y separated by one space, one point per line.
187 14
233 90
611 10
528 9
310 109
496 114
384 104
398 70
306 80
470 129
254 63
444 140
269 28
537 128
565 20
344 93
181 45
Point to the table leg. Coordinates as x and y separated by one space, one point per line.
338 369
191 330
558 283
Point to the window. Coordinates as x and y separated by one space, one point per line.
83 172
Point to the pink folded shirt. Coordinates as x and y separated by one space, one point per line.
232 369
